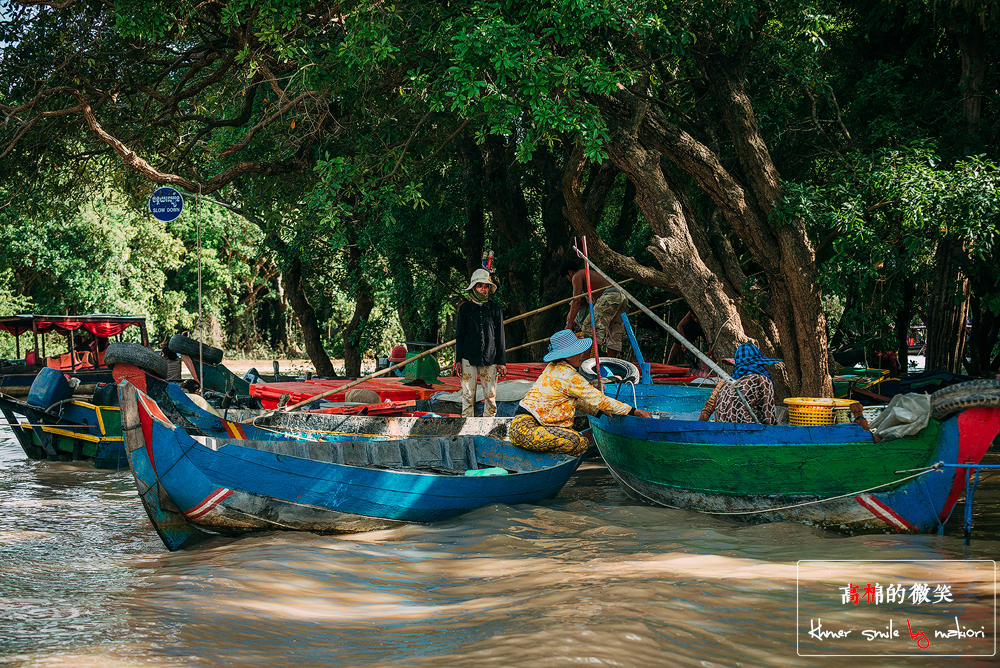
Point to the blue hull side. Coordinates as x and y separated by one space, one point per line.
172 527
230 488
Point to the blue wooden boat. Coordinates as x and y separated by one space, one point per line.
833 477
80 429
195 486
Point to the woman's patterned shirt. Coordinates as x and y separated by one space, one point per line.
560 390
759 393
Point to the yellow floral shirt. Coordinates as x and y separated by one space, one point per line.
560 390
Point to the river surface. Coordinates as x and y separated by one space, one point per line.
588 578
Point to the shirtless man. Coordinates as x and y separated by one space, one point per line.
607 308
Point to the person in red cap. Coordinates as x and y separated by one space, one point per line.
397 355
480 345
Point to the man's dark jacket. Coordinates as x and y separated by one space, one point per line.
479 334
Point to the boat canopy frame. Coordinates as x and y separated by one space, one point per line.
98 324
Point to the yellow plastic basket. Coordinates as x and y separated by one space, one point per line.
809 412
841 415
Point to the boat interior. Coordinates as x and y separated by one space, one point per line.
447 455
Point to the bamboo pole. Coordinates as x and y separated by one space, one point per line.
426 353
593 324
522 316
525 345
667 303
344 388
545 340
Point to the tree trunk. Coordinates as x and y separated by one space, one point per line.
558 248
509 212
306 316
364 302
968 32
475 215
948 308
279 305
785 319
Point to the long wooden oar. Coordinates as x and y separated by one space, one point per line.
541 309
399 365
674 333
344 388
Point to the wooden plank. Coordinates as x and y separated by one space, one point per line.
872 396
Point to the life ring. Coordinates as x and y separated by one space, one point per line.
628 372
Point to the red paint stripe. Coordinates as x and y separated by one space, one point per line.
213 499
884 512
977 427
153 409
235 430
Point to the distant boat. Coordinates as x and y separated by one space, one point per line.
80 428
193 487
833 476
59 423
17 376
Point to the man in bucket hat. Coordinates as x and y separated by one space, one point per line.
544 418
480 346
753 381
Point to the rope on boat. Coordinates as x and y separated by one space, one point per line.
315 431
936 467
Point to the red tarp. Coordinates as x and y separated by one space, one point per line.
393 390
95 328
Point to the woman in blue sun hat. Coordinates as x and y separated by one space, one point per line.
753 380
544 419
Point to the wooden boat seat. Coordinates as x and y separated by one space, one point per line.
447 453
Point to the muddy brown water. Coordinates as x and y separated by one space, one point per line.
586 578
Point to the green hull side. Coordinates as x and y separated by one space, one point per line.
820 469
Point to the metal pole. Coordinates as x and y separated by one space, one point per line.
674 333
593 323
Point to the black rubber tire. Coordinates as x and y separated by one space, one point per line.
136 355
183 345
942 409
962 389
629 372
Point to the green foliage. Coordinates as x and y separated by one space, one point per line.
884 217
332 127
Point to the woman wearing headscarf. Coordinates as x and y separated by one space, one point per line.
480 346
544 419
751 380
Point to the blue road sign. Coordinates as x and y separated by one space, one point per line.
166 204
